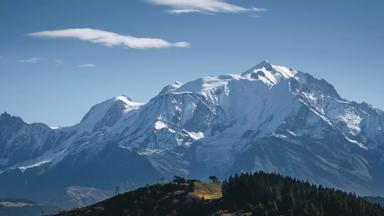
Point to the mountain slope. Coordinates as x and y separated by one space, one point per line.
16 207
269 118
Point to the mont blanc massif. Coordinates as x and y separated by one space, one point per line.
269 118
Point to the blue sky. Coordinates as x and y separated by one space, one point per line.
55 77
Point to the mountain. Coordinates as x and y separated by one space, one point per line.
269 118
18 207
72 196
79 196
258 194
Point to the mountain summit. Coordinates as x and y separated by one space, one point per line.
269 118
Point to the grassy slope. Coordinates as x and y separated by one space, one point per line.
207 191
161 199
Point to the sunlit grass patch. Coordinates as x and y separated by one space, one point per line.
207 191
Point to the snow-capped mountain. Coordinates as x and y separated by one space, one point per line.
269 118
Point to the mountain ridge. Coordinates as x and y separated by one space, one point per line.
269 118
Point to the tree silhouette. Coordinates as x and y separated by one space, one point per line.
214 179
179 180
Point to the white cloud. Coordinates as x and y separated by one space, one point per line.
203 6
109 39
87 65
31 60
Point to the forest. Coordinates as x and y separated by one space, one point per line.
273 194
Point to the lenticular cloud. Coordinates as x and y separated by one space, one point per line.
204 6
109 39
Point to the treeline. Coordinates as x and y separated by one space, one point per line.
375 199
272 194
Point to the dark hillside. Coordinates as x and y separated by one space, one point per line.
166 199
259 194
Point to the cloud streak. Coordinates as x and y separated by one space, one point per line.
31 60
87 65
203 6
109 39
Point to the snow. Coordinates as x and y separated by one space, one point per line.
37 164
269 74
202 85
125 147
170 88
129 104
315 111
178 83
160 125
196 135
311 96
292 133
148 152
284 71
97 112
352 120
357 143
281 136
